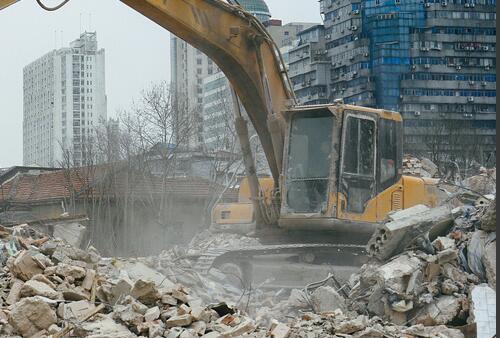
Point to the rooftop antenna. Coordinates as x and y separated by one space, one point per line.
90 22
80 23
61 35
55 39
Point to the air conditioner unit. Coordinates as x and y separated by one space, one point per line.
342 31
467 115
354 74
427 66
487 67
486 47
467 5
427 4
328 36
353 28
459 67
414 67
366 54
470 99
351 58
473 5
483 83
444 3
471 83
356 12
321 94
417 113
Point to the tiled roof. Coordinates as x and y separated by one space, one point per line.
61 184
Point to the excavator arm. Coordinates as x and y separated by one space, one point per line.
240 45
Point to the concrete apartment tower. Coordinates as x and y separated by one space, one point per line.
64 100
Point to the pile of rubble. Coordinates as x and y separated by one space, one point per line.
414 166
432 274
50 288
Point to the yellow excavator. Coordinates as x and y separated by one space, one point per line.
336 169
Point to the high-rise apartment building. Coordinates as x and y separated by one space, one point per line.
432 60
309 66
64 100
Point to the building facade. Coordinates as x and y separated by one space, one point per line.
309 66
434 61
64 100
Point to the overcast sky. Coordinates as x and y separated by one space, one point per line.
137 51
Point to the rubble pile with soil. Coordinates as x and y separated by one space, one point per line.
421 287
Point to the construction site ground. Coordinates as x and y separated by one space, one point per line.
415 284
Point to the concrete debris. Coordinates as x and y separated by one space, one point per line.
408 227
424 167
483 310
31 315
488 220
409 289
36 288
327 299
484 183
489 261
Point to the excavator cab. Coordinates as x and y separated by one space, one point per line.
338 160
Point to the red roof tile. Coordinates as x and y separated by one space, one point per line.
62 184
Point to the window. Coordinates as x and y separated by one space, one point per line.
359 146
389 133
309 162
358 156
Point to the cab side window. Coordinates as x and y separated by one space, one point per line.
388 153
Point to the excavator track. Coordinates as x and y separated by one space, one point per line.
270 264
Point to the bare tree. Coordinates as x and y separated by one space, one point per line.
456 141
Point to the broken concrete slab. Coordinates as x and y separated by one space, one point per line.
405 227
140 271
88 281
183 320
483 310
442 311
103 326
145 292
246 327
488 221
490 263
30 315
152 314
36 288
447 255
327 299
354 325
15 291
24 266
280 331
75 310
431 332
444 243
65 270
